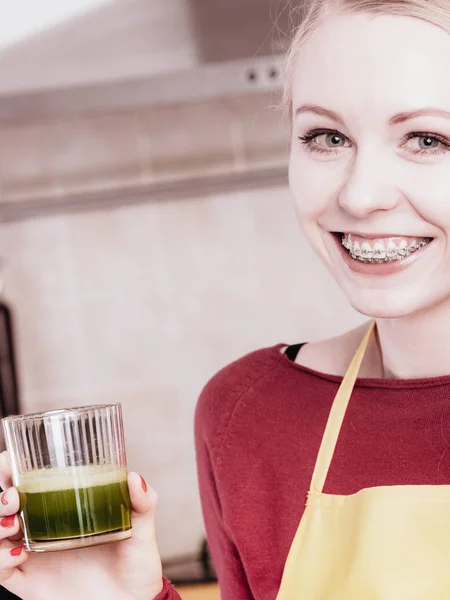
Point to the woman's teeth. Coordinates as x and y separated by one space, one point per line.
381 250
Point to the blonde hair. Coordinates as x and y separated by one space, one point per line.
310 13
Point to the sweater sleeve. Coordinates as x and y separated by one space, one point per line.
230 571
168 592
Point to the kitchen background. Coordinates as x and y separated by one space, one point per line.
147 236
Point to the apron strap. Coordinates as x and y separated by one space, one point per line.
336 416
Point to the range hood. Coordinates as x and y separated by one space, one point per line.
231 48
141 101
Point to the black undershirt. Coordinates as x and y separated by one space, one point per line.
292 351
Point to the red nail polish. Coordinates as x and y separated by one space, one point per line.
8 521
143 484
4 501
16 551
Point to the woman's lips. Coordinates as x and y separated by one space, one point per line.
387 254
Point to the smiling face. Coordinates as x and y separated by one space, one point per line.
370 159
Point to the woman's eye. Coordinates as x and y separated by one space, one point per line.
426 144
324 141
330 140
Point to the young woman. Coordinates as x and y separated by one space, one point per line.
368 92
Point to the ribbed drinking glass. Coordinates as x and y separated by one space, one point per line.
69 467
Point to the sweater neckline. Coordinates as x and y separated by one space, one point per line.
362 382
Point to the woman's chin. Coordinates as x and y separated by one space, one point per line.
386 304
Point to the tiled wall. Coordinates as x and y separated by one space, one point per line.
143 304
110 150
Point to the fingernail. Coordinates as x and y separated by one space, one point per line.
16 551
8 521
4 501
143 484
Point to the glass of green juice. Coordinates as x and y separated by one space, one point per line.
69 467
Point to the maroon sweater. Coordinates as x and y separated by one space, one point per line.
258 427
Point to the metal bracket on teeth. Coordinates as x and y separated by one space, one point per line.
391 256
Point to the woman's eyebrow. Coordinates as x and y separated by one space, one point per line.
395 120
319 110
421 112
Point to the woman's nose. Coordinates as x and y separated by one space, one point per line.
368 188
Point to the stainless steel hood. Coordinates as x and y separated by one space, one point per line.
238 50
162 73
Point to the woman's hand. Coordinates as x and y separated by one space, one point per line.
128 570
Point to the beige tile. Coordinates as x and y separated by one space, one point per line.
72 155
95 152
189 139
118 150
263 129
39 285
26 164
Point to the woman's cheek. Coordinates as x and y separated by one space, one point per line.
315 183
429 195
313 195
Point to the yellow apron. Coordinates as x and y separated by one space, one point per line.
382 543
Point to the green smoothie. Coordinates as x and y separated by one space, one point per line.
74 502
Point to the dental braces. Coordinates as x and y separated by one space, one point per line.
392 254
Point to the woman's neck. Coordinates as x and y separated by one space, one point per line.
416 346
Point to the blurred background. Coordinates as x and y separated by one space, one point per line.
147 236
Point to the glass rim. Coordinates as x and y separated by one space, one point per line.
75 410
